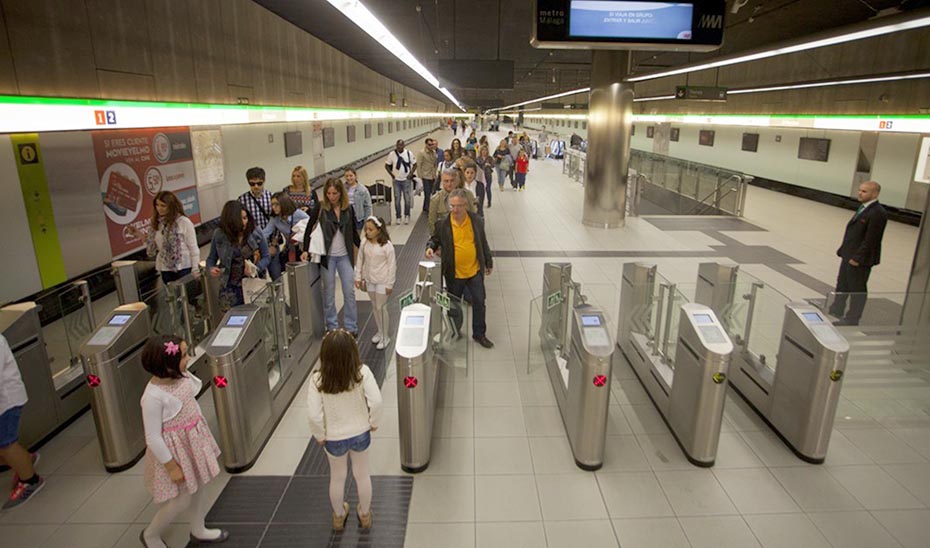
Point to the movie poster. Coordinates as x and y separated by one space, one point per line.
134 165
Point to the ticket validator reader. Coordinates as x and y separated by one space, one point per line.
690 390
257 364
798 395
578 347
112 358
418 378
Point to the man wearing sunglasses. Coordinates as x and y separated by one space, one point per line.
257 200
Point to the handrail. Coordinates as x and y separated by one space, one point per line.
720 197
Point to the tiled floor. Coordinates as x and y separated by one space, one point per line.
502 472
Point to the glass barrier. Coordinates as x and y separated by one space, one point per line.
541 339
689 188
452 345
165 320
267 300
63 336
755 317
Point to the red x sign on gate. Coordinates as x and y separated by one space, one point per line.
410 382
600 380
93 381
220 381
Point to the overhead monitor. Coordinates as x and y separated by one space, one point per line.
690 25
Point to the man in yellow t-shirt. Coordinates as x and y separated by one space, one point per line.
466 258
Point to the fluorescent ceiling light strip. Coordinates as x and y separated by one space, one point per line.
656 98
889 28
356 12
541 99
845 82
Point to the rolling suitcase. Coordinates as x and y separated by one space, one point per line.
381 200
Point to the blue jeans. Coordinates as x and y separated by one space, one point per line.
9 426
427 193
342 265
405 189
501 175
521 180
475 288
358 443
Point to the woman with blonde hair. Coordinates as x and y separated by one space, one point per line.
301 192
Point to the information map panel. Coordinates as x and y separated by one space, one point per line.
695 25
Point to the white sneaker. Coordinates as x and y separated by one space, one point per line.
407 220
376 339
397 222
383 344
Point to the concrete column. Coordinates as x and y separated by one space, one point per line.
917 301
610 121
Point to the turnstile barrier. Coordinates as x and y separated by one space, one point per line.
418 378
577 345
681 353
797 389
259 357
112 359
57 392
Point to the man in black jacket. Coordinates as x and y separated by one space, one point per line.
466 258
860 251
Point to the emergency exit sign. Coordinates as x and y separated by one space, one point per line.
406 299
700 93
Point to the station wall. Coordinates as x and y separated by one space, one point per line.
893 165
74 188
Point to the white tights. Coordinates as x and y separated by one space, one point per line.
378 300
338 470
174 508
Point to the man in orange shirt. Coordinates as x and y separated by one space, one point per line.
466 258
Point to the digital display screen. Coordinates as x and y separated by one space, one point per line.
591 321
119 319
703 319
237 320
644 20
812 316
415 320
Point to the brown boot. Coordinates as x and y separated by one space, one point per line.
364 520
339 522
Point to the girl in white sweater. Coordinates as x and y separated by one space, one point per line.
344 405
375 271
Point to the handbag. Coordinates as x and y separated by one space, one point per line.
317 246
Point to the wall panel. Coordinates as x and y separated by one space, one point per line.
19 272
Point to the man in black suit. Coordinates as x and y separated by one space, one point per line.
860 251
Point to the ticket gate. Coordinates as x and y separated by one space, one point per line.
112 358
53 400
258 358
578 348
689 390
418 378
798 395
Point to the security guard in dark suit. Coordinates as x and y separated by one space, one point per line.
860 251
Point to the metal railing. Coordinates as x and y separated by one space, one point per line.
689 188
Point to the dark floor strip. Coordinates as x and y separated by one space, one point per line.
300 512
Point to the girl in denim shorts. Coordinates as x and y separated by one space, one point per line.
345 408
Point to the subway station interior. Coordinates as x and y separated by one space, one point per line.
690 341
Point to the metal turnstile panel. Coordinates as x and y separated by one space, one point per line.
417 385
808 379
587 404
112 363
238 362
698 392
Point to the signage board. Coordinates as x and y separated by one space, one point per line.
687 25
700 93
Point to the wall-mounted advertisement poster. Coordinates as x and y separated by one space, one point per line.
135 165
